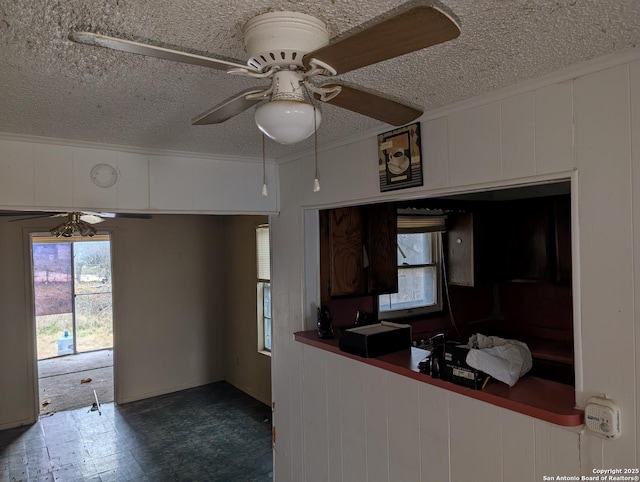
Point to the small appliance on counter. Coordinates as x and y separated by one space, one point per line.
370 341
455 368
325 327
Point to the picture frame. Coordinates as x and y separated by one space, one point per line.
400 158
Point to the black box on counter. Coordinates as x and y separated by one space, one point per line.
456 369
374 340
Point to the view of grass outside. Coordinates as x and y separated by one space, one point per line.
57 287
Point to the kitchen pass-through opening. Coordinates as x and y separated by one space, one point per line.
73 316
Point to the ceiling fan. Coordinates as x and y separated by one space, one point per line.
77 222
294 52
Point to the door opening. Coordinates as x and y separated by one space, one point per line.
73 308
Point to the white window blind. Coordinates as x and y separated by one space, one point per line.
264 261
421 224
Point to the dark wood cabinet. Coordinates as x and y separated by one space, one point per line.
521 240
562 225
358 251
346 252
529 241
469 253
539 240
382 248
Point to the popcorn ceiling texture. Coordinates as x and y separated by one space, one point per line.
51 87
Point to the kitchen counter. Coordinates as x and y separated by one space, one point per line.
542 399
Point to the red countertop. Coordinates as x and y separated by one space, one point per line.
535 397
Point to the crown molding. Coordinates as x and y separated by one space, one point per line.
130 149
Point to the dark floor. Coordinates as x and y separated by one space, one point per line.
215 432
60 380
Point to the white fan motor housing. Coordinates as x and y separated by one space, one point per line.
282 39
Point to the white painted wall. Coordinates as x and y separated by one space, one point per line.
245 367
338 419
50 174
169 299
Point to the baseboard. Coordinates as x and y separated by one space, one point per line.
16 424
251 393
163 391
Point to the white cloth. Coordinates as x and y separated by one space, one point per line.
505 360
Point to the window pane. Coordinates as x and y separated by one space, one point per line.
93 303
94 321
53 296
413 248
266 307
92 266
267 334
266 293
416 288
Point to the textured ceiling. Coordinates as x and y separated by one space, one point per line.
52 87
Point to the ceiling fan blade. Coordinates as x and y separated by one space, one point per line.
373 105
414 26
26 219
126 215
91 218
228 108
130 46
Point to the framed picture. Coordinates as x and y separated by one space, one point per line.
400 158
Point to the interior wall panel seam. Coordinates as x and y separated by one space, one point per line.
535 131
634 306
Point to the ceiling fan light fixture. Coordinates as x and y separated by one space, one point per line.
72 227
287 121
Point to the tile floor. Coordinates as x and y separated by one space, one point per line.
210 433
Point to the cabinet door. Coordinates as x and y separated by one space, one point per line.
382 242
562 207
461 269
346 228
529 242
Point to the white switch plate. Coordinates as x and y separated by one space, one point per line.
602 417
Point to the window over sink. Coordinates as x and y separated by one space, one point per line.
419 254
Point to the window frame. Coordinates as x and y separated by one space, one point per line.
265 343
435 245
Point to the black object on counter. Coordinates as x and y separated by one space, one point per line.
370 341
456 370
325 328
434 362
364 318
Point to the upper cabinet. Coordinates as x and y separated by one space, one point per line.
358 250
521 240
346 251
538 238
467 239
529 236
382 248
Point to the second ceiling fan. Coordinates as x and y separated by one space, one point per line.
294 52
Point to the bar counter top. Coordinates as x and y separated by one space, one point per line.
542 399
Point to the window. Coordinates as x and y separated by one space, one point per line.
264 288
419 269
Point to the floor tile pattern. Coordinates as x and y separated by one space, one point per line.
210 433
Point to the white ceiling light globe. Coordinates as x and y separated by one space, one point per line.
287 121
